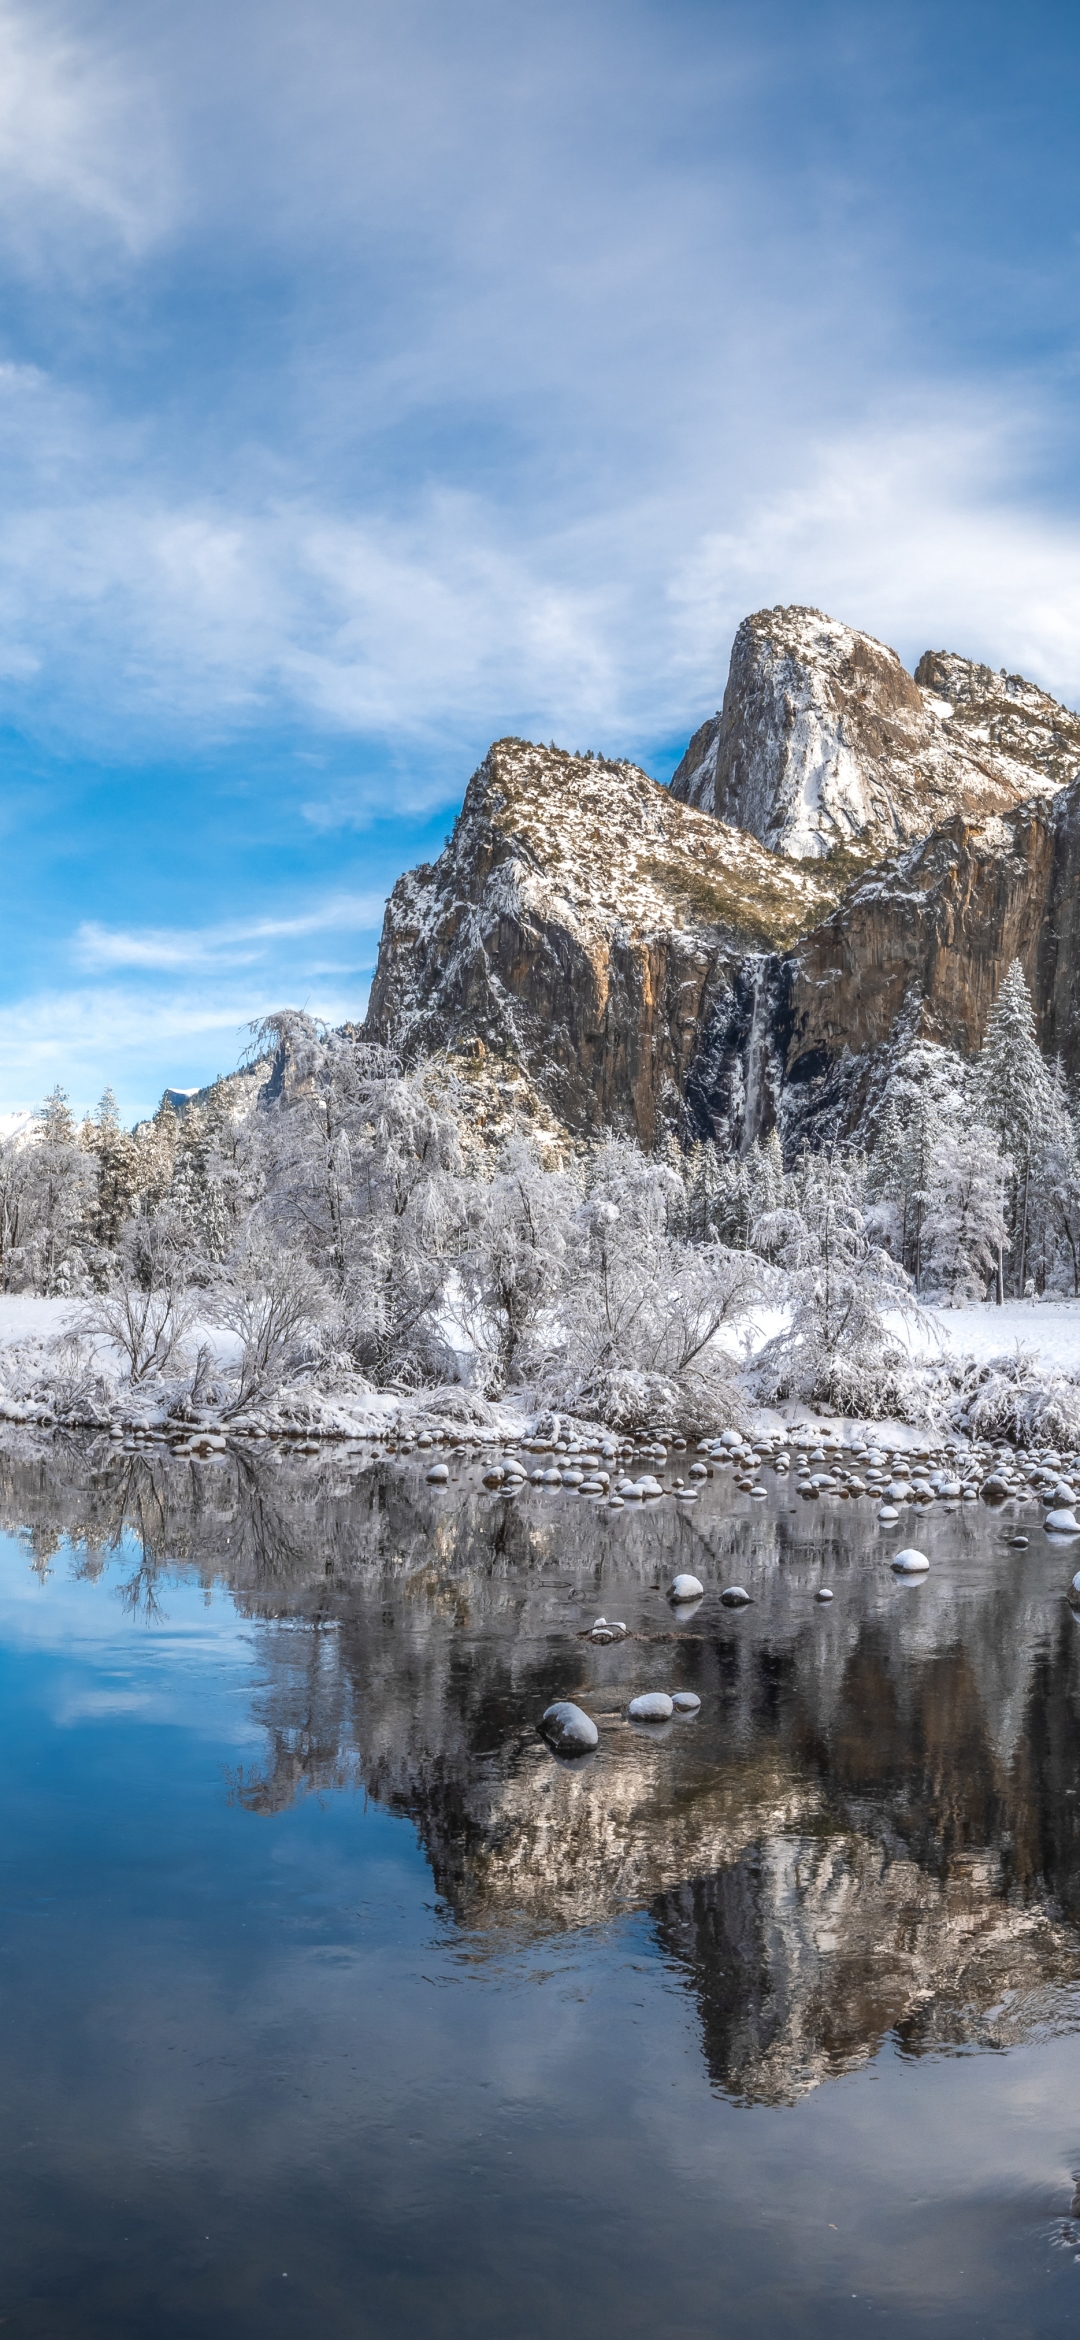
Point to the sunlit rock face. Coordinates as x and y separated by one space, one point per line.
826 745
581 934
869 1830
848 858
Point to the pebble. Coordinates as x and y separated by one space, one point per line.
685 1701
1018 1543
735 1596
686 1588
652 1706
910 1562
568 1729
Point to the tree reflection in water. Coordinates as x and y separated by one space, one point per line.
870 1828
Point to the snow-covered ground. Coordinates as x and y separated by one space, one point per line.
1050 1327
26 1317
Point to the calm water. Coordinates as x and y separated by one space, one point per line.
333 2005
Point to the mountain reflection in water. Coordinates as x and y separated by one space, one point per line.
870 1827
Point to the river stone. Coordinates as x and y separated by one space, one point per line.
438 1475
735 1596
568 1729
823 1593
888 1514
652 1706
910 1562
686 1588
1061 1523
685 1701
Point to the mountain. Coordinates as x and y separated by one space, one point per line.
584 929
616 955
826 743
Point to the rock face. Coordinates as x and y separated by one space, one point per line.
849 856
825 743
582 926
919 948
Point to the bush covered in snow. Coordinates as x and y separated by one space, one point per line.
1019 1397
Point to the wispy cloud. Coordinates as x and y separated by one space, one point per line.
141 1040
82 133
241 944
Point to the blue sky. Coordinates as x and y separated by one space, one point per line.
377 379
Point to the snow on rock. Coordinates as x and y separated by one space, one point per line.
574 938
824 740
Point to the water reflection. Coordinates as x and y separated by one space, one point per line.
871 1827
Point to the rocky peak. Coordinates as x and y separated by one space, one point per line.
826 745
577 928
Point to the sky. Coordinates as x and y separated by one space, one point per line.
381 377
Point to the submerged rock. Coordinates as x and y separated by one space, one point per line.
569 1729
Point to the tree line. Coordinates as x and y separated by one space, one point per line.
345 1224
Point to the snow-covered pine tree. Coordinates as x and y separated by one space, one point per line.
964 1223
1013 1095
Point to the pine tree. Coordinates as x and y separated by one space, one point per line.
1014 1096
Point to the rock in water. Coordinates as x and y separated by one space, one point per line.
438 1475
735 1596
686 1588
652 1706
888 1515
1061 1523
910 1562
685 1701
568 1729
823 1593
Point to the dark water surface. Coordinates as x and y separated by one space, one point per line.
333 2005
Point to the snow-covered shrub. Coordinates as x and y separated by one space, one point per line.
637 1337
270 1298
1020 1397
836 1351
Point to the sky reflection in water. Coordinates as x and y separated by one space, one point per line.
331 2003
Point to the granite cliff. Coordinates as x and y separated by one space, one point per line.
825 743
583 929
849 856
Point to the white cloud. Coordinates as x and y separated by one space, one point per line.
81 133
139 1040
241 943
